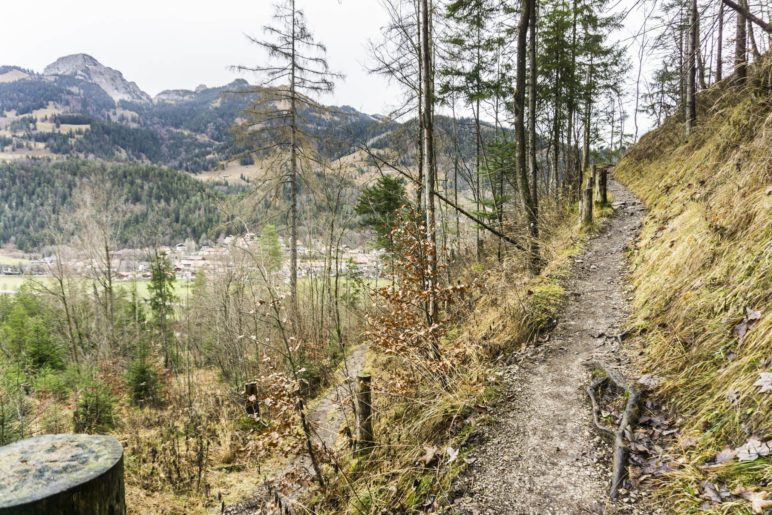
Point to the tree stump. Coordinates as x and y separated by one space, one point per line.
251 402
62 474
364 414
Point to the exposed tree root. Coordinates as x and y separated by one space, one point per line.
626 425
596 408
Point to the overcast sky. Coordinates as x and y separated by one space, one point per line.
180 44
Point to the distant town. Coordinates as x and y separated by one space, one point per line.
189 259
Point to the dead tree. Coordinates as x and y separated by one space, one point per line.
301 70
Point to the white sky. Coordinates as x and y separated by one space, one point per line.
178 44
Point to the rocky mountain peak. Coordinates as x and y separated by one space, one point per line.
85 67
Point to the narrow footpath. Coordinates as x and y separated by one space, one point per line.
542 454
326 416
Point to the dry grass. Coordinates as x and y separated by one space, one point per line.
702 260
419 428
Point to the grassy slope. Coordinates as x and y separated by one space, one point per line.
703 258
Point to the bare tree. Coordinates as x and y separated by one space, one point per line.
300 70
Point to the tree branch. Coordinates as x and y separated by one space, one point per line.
749 16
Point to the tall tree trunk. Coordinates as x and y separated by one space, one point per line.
522 170
556 136
740 61
586 139
293 180
419 95
691 70
571 104
429 168
720 42
533 76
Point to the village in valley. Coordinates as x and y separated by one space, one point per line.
188 260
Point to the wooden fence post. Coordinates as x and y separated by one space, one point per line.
364 414
603 186
63 474
595 184
586 209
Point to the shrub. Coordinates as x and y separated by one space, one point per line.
143 383
94 410
56 383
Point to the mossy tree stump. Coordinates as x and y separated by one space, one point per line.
63 474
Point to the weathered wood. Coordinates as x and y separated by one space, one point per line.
586 208
365 439
603 186
251 402
62 474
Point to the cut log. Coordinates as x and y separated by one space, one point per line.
62 474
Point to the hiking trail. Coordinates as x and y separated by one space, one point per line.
541 454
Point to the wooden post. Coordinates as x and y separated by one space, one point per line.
63 474
603 187
251 403
594 184
364 414
586 210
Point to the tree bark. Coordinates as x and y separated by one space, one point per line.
533 76
740 60
720 42
522 171
293 181
691 71
429 168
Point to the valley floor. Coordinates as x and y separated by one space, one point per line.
542 454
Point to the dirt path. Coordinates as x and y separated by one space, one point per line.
327 416
542 455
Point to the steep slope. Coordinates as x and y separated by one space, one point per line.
703 286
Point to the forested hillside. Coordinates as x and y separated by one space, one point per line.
152 205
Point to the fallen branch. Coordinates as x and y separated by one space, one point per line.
626 425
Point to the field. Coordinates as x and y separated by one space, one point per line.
12 284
